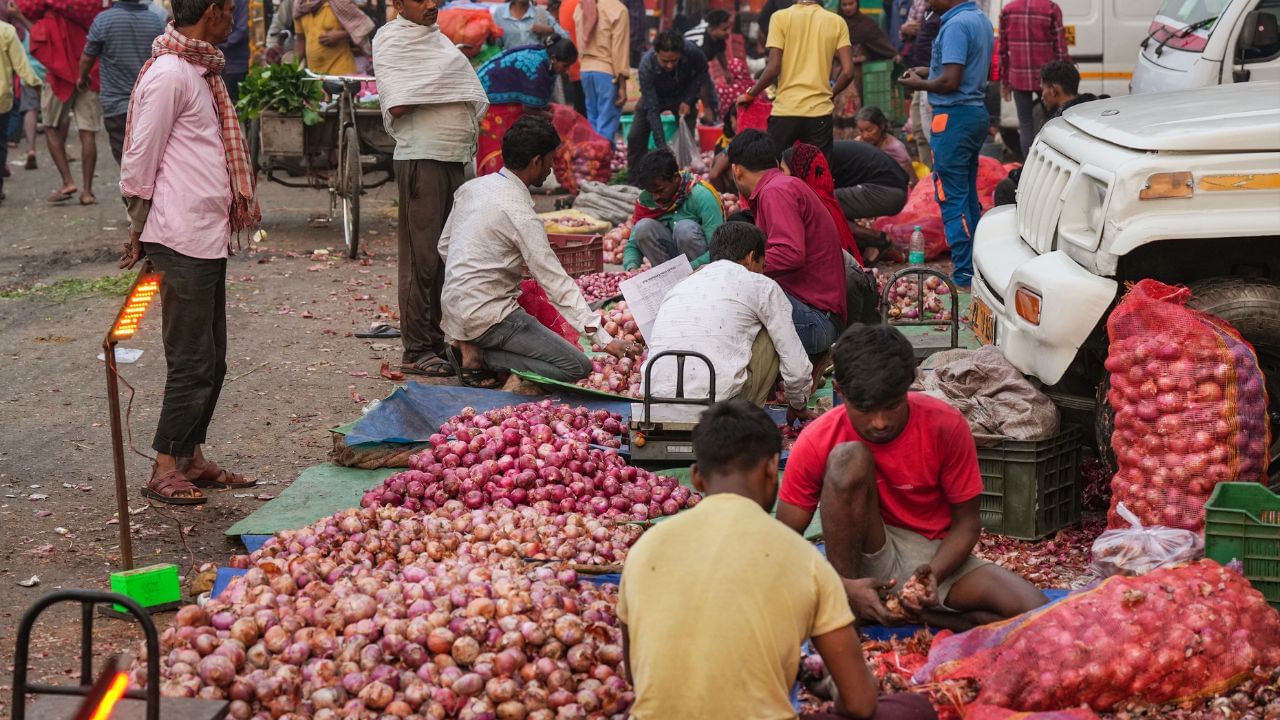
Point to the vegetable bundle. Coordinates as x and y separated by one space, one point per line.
1174 634
1190 407
283 88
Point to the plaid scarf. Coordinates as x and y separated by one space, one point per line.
244 212
687 183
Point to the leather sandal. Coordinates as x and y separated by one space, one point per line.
166 489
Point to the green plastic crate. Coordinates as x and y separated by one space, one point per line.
1242 522
1030 488
668 128
880 88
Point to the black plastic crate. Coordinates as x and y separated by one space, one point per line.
1031 488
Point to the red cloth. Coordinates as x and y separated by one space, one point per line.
802 250
1031 36
810 165
920 474
495 124
58 44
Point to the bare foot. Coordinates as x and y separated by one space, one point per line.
87 198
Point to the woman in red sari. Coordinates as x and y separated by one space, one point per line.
517 81
807 162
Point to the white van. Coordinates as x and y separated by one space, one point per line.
1196 43
1102 37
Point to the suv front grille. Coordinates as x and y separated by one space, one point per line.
1041 191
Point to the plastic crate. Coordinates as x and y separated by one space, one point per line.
578 254
1030 488
1242 522
668 128
880 88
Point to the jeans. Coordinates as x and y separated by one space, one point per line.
426 189
193 307
520 342
817 329
958 134
600 92
641 133
660 244
1025 101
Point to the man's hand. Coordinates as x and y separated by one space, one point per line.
82 83
541 29
683 110
621 99
132 251
334 37
273 54
745 99
914 79
921 591
909 29
618 348
1006 92
799 415
866 599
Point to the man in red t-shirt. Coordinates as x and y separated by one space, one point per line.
895 476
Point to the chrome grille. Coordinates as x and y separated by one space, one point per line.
1041 192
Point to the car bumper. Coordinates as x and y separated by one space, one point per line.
1072 300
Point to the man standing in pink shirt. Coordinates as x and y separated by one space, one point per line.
186 179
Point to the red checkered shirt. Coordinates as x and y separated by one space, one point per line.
1031 35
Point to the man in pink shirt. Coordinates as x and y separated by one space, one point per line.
802 253
185 177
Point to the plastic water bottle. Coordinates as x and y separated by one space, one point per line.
915 254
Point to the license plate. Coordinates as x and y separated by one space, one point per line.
983 322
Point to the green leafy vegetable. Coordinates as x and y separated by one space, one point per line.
283 88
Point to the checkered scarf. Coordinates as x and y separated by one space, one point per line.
244 212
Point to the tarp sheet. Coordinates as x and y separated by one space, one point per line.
414 412
320 491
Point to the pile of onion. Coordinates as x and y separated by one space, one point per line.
620 323
512 457
367 614
904 301
619 376
1174 633
614 242
597 286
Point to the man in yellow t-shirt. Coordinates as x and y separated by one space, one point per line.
716 602
802 41
328 34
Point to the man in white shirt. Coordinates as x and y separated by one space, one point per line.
491 236
740 319
432 103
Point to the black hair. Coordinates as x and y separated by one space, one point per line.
729 121
875 365
188 12
737 240
562 49
873 115
668 41
1063 74
716 18
528 138
655 165
734 435
753 150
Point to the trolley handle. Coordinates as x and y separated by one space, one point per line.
679 399
920 273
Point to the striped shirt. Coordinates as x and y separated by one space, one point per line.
121 40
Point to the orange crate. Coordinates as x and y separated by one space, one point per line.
578 254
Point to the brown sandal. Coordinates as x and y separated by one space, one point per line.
215 477
166 489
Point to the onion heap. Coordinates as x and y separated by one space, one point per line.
1174 633
597 286
619 376
903 299
1190 408
620 323
356 617
732 203
614 242
532 454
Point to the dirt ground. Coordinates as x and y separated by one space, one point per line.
295 371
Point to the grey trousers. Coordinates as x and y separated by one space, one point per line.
869 201
660 244
520 342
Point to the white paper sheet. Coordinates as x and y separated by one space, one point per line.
644 292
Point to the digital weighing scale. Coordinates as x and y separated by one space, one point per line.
662 428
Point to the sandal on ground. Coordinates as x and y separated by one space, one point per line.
428 365
60 196
215 477
173 488
381 331
472 377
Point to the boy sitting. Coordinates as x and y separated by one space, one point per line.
676 213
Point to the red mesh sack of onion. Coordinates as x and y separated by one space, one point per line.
1173 635
1190 407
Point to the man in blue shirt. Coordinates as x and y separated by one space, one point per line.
120 41
236 49
525 23
956 82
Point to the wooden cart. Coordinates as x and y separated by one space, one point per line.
336 153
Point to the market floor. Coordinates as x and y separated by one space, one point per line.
295 371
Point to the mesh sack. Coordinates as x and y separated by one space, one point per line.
1176 634
755 115
991 712
1190 407
583 154
533 299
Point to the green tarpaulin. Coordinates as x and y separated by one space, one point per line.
319 492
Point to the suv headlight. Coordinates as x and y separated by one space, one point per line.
1084 212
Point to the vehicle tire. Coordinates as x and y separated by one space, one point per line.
351 177
1252 306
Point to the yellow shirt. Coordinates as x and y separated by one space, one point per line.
13 59
717 601
808 36
336 60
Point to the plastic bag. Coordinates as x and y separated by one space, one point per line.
685 147
755 115
922 209
533 299
1175 634
1137 550
1190 407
